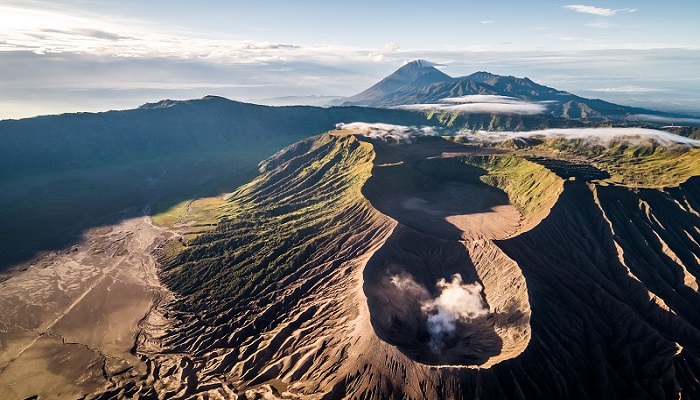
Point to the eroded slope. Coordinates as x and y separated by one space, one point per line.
300 288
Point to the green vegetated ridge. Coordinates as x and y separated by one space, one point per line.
306 199
261 251
646 163
530 186
507 122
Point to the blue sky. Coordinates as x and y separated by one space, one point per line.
79 55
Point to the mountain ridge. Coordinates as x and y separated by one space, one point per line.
578 308
440 86
417 72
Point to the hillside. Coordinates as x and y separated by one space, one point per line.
62 174
330 275
165 128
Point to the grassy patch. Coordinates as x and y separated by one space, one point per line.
305 205
647 164
532 188
650 168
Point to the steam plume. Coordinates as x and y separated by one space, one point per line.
457 302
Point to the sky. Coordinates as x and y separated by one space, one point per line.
81 55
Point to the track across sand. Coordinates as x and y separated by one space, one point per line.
70 319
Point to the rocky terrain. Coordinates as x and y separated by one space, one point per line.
70 320
360 267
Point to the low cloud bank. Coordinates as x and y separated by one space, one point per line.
601 136
457 301
481 104
483 98
668 120
604 12
388 132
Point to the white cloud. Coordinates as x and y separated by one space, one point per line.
667 120
600 24
602 136
381 53
628 89
487 22
482 98
604 12
388 132
478 104
52 31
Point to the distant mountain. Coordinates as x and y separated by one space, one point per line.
419 82
166 128
62 174
319 101
392 89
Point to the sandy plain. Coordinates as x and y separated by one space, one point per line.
69 320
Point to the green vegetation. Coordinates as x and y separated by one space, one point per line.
305 205
500 122
214 182
650 166
646 164
531 187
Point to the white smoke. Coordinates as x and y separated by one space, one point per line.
601 136
457 301
388 132
405 283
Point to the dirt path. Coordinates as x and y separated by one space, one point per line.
69 321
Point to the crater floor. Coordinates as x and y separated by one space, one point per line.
445 230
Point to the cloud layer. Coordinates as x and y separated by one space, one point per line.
476 104
388 132
602 136
604 12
